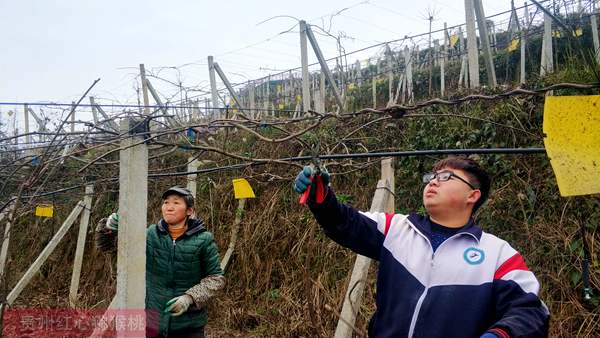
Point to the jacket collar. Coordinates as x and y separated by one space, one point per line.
194 225
423 224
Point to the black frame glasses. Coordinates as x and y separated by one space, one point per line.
444 176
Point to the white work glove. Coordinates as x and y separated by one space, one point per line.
178 305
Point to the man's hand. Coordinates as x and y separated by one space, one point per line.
303 180
178 305
112 222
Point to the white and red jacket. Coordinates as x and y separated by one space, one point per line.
472 284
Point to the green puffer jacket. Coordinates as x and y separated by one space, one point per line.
172 267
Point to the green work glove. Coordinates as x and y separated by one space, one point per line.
303 179
112 222
178 305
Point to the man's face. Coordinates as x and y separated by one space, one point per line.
451 195
174 210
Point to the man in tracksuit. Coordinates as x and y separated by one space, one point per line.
439 275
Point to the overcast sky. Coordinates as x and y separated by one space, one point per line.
53 50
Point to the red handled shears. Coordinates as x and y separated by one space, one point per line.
316 180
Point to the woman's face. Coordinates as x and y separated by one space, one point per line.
174 210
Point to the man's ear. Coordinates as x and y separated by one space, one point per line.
474 196
189 211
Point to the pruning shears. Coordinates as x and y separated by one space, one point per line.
316 180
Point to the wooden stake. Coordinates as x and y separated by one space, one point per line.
41 259
234 233
78 261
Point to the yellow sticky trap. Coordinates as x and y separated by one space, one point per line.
44 210
242 189
572 128
513 45
578 32
453 40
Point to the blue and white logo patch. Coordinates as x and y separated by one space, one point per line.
474 256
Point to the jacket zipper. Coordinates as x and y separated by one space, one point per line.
415 316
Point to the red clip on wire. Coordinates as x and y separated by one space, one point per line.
317 182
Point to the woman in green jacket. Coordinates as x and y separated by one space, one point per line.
182 267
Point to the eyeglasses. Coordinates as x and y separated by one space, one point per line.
443 176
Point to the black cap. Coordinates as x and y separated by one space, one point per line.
183 192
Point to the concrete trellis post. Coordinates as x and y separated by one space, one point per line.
304 60
445 48
341 81
191 178
196 116
383 201
155 96
78 261
442 68
357 73
399 89
410 96
26 121
234 96
462 45
390 74
491 33
144 89
473 54
251 99
374 90
324 67
72 117
268 96
99 109
206 107
94 110
316 94
547 62
594 24
133 201
436 52
417 57
322 91
291 90
213 87
485 43
524 28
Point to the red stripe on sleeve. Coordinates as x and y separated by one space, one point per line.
516 262
500 332
388 222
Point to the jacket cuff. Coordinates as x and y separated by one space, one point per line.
500 333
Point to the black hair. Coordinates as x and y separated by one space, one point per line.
476 175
